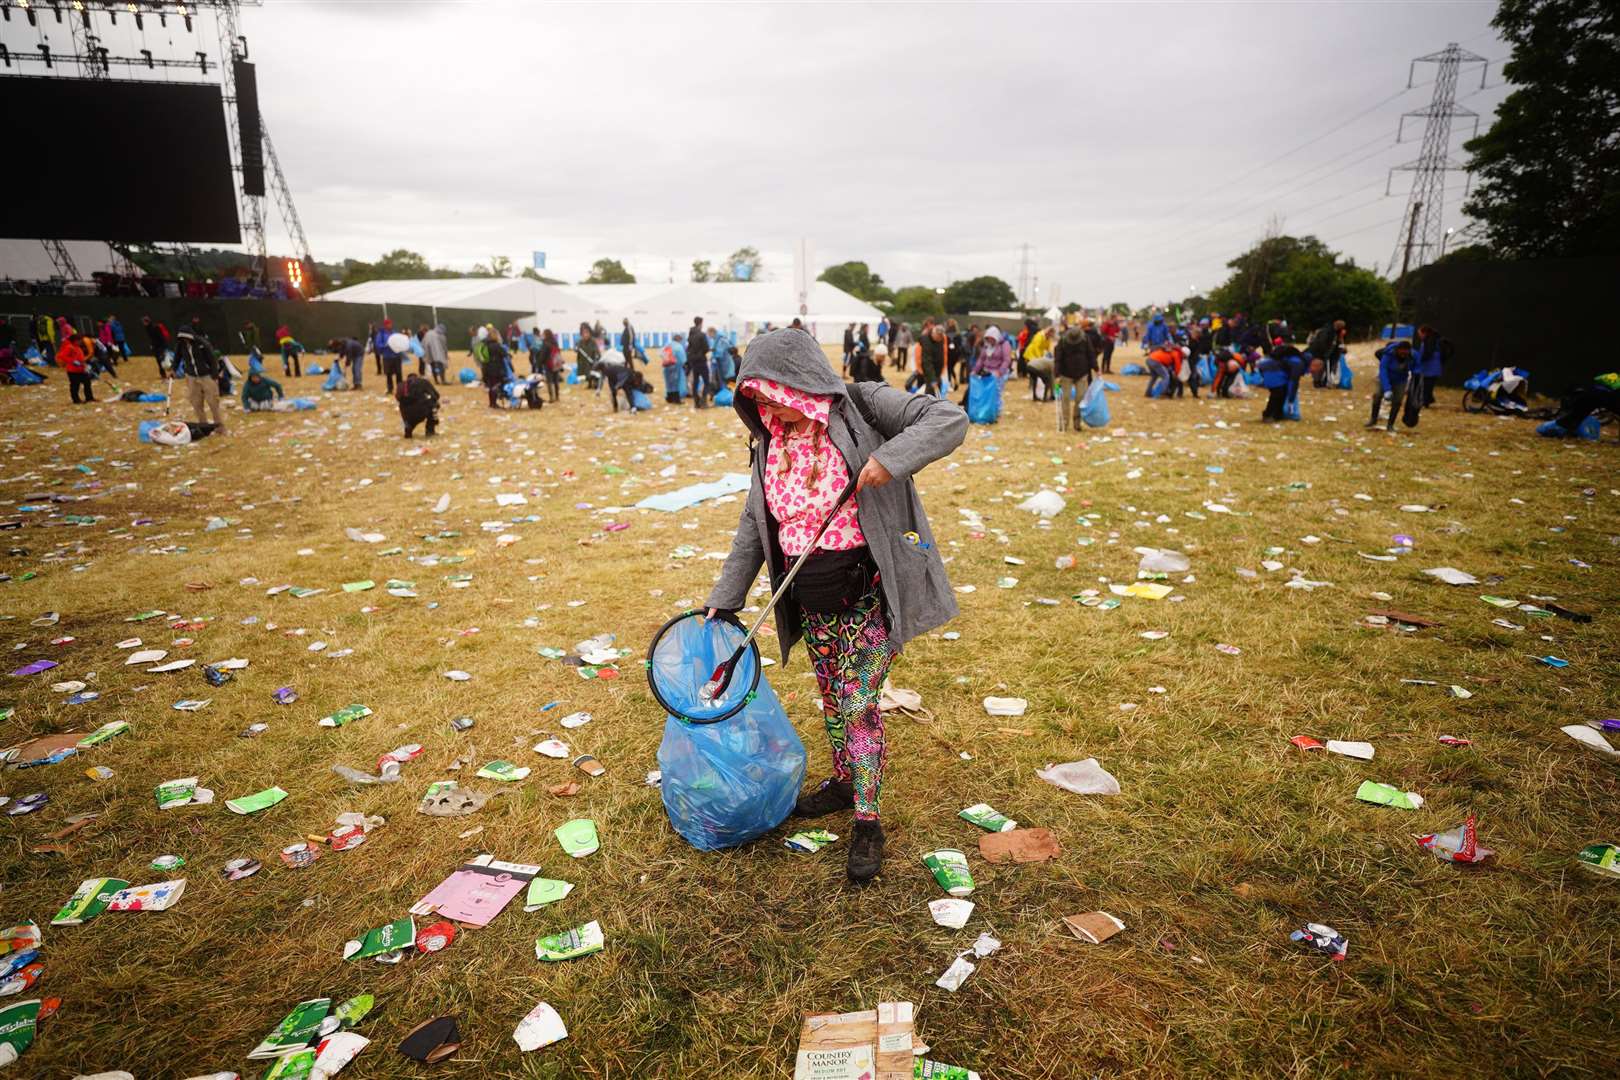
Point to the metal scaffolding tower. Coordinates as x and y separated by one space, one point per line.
1423 225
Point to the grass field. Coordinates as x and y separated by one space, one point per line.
1224 839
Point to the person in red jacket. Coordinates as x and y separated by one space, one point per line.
70 357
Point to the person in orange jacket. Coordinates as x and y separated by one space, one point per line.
71 358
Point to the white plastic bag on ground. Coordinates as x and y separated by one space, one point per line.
171 433
1045 503
1081 777
1157 561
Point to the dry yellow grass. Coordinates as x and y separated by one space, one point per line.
1224 839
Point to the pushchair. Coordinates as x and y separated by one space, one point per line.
1502 392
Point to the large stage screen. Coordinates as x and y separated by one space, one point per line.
116 160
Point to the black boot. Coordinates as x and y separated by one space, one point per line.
865 852
832 796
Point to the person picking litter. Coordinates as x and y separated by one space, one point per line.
875 579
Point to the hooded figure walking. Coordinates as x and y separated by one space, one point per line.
875 580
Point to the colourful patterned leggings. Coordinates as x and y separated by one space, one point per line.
851 653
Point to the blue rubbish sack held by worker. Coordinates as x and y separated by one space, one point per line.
1206 370
640 402
984 399
1346 376
724 396
466 376
1094 406
731 764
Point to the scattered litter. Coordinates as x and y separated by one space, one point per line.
1324 939
1360 750
1452 576
578 837
950 912
570 944
541 1027
950 870
984 817
1600 859
1590 739
1385 795
1047 504
1081 777
1459 845
259 800
432 1040
956 974
999 706
1094 926
809 841
1019 846
503 771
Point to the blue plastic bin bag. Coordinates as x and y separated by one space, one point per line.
984 399
1094 406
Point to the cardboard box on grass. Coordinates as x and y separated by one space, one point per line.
874 1044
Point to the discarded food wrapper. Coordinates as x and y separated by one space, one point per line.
165 863
541 1027
1600 859
588 765
1094 926
1459 845
1323 939
237 869
103 733
950 870
159 897
950 912
300 855
1229 650
296 1031
88 900
578 837
570 944
1452 740
1360 750
380 942
335 1051
956 974
447 799
984 817
544 891
1590 739
1081 777
432 1040
182 792
1386 795
1045 503
1008 706
1305 742
345 715
503 770
553 748
457 676
1019 846
939 1070
259 800
810 841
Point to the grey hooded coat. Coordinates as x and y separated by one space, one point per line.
904 432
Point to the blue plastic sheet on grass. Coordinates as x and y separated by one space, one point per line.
681 498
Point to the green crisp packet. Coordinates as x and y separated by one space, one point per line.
571 944
88 900
985 818
354 1010
179 792
1385 795
950 869
104 732
810 841
259 800
543 891
399 934
503 770
359 586
344 715
296 1032
1600 858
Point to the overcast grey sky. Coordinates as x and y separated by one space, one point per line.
931 140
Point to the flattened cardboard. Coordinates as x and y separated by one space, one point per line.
874 1044
1019 846
1094 926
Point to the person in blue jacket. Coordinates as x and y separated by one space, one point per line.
1279 370
1397 371
675 374
392 362
1431 352
1155 335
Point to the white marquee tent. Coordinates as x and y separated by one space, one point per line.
656 309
